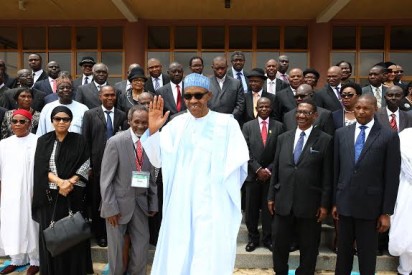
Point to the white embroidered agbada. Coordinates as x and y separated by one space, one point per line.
204 164
19 233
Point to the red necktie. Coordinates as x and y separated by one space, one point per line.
139 156
264 132
394 126
54 85
178 99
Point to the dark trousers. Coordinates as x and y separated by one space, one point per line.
366 236
256 203
308 236
156 220
98 223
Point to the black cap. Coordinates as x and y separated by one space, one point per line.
257 72
136 72
87 59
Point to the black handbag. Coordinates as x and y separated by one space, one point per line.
67 232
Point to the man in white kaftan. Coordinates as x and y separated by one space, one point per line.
19 233
400 237
204 157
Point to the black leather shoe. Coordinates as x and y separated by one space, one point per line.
102 242
268 246
9 269
251 246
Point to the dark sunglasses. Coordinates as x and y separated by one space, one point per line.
21 121
59 119
347 95
198 96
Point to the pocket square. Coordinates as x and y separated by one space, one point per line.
313 151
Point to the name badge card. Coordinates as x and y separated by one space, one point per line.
140 179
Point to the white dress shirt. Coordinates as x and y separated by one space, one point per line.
369 126
305 139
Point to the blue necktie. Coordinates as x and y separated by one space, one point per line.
360 141
299 147
239 76
109 125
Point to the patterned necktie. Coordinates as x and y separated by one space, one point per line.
299 147
178 99
239 76
378 97
360 141
157 84
255 100
139 155
394 126
338 92
264 132
86 80
284 78
109 125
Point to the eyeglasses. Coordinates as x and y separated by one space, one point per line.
60 119
198 96
21 121
305 113
347 95
301 96
400 72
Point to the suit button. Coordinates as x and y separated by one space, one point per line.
355 171
296 168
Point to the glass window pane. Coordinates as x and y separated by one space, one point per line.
367 60
113 80
208 59
213 37
63 59
8 38
112 38
184 58
401 38
79 57
86 38
297 60
268 37
372 38
240 37
60 38
296 37
26 59
404 60
339 56
344 38
113 60
158 38
186 38
34 38
10 59
163 57
263 57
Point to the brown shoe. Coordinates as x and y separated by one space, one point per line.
32 270
9 269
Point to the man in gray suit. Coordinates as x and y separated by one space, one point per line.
228 94
89 94
129 194
376 88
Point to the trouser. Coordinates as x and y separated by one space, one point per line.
405 264
24 258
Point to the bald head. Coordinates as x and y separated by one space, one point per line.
154 67
219 66
145 98
295 77
334 76
131 67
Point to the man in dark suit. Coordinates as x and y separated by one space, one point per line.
285 99
329 96
87 64
324 121
273 84
3 88
391 116
125 85
375 78
228 95
49 85
300 190
89 94
256 81
10 82
261 135
35 64
156 79
172 92
238 62
366 179
99 124
25 79
283 62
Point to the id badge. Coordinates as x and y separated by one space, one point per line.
140 179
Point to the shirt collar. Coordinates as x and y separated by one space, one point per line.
389 112
368 125
104 109
307 131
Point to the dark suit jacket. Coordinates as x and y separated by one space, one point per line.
169 101
405 105
148 86
368 90
89 95
245 74
228 100
280 85
324 121
248 113
42 76
94 131
261 156
44 86
338 119
405 119
121 86
368 188
2 91
326 98
78 81
37 103
10 82
303 187
284 102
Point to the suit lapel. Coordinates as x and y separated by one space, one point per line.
258 135
383 117
312 139
402 121
130 149
350 140
332 94
291 97
101 115
289 146
249 104
116 123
